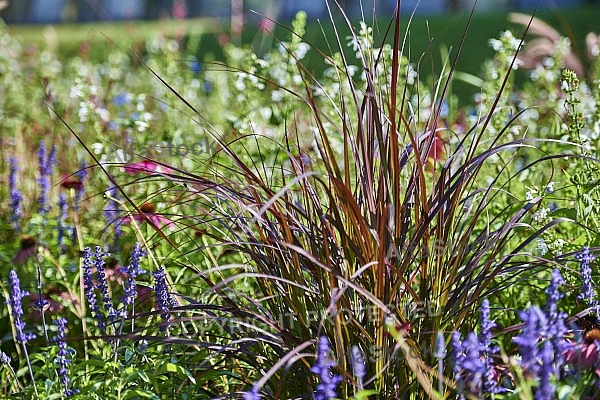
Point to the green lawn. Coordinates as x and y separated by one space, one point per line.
428 35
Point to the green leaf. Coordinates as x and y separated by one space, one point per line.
139 393
570 213
364 394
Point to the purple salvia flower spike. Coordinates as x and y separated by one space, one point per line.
358 366
103 284
487 350
458 358
63 359
16 197
164 300
440 354
535 327
89 289
545 389
327 380
4 358
132 271
16 306
112 212
557 328
587 285
473 365
45 171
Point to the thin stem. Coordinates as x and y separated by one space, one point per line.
40 301
30 371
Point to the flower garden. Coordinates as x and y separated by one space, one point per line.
180 228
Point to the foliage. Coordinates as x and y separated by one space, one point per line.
253 230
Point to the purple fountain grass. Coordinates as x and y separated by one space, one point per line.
16 197
63 358
327 380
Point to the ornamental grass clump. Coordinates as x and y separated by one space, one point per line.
358 235
334 209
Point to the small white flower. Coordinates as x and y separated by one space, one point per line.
541 215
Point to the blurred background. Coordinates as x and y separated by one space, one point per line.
68 11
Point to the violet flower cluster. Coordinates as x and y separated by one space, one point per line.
16 197
99 263
164 299
587 285
16 306
100 284
490 385
89 288
132 271
327 380
358 366
46 165
4 358
472 359
62 227
63 359
542 342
